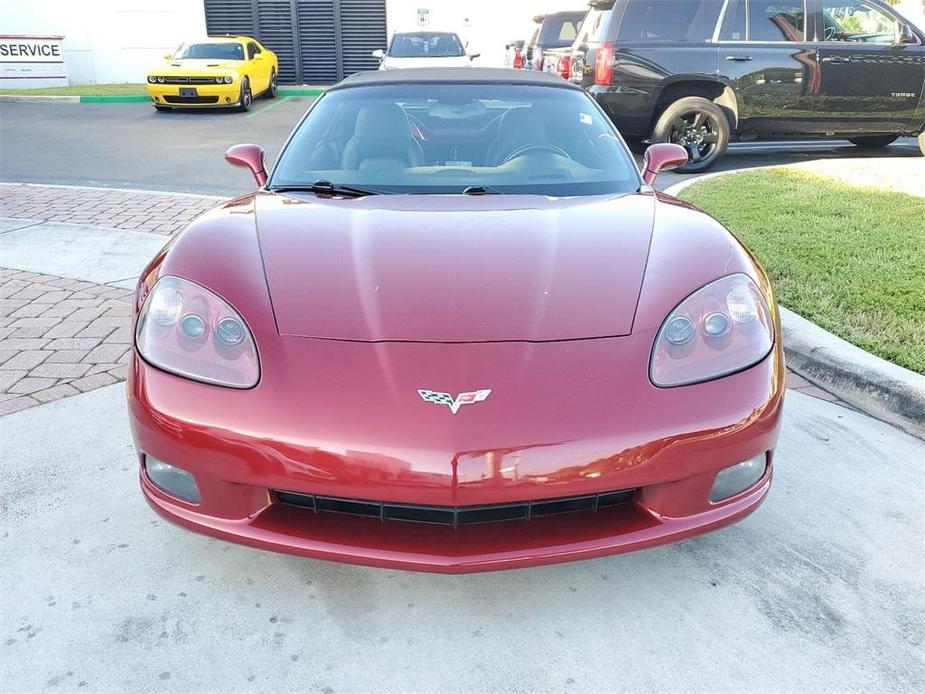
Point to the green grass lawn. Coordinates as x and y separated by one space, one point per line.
84 90
851 260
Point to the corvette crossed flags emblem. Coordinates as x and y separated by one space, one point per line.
454 404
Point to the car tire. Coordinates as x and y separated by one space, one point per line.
698 125
274 86
162 109
873 141
246 97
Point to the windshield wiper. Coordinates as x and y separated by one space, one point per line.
481 190
326 188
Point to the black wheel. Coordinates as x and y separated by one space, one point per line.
162 109
246 98
873 141
698 125
274 85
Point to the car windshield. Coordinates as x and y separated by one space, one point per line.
420 45
427 138
224 50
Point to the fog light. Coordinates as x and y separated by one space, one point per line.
227 99
173 480
737 478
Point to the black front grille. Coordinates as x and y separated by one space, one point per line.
191 99
455 515
190 80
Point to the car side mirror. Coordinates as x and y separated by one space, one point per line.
258 56
168 56
473 56
251 157
907 35
379 54
663 156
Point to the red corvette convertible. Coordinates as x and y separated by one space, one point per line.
455 330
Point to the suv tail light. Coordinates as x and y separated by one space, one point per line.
564 68
603 65
518 59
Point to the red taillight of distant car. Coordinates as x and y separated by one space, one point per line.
564 68
518 59
603 65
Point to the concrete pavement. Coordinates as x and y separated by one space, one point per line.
821 590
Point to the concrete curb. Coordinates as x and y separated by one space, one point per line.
874 385
40 98
880 388
132 98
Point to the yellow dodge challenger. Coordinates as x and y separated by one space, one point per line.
218 71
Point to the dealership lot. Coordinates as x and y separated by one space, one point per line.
820 590
132 146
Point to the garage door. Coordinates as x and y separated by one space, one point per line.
317 41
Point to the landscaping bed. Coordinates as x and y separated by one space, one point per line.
850 259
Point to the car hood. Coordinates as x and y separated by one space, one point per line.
177 67
391 63
454 268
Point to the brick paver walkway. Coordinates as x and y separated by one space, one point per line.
59 337
159 213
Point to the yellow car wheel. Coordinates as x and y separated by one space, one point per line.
246 97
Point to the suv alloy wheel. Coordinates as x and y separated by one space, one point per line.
698 125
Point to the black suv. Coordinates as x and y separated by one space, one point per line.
698 72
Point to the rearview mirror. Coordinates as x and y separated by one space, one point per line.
379 54
663 156
251 157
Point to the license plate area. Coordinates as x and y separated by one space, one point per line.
188 92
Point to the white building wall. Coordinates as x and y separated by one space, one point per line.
107 41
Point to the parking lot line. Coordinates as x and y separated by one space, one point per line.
279 100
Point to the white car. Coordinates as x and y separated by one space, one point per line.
424 49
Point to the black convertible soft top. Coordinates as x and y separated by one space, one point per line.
454 75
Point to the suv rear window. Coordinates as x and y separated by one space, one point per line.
691 21
560 30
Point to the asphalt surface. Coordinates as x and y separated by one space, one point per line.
133 146
820 590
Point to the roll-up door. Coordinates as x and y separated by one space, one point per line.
317 41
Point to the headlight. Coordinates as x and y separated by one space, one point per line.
721 328
160 80
229 80
187 330
152 79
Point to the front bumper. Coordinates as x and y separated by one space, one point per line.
208 95
565 419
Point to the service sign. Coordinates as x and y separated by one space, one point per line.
31 61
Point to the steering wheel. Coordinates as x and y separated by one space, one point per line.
522 151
